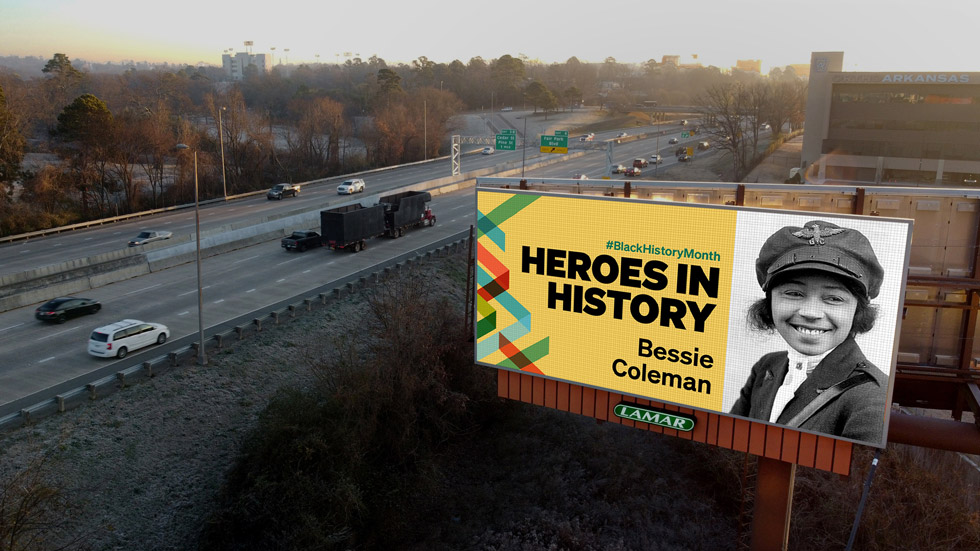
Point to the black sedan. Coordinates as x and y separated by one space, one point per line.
60 309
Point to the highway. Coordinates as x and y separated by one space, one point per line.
35 356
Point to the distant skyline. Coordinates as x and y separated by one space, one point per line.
875 35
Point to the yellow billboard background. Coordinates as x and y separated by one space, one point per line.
517 329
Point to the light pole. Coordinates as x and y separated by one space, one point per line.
656 167
221 140
202 358
425 132
491 112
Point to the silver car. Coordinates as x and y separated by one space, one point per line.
149 236
350 187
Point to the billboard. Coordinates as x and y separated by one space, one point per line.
784 318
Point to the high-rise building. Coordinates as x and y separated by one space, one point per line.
919 128
237 65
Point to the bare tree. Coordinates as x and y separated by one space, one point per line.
34 514
156 141
248 141
725 109
788 104
760 97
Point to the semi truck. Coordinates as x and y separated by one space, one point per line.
406 210
348 227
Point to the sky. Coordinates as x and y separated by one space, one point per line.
875 35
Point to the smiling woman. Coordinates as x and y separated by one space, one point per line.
819 280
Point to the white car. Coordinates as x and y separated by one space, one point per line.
149 237
120 338
656 159
622 135
488 151
350 187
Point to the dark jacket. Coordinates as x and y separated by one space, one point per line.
858 413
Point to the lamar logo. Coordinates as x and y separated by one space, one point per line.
653 416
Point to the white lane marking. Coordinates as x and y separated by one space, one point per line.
11 327
280 280
116 233
245 259
58 244
219 301
250 291
187 293
184 313
143 289
27 251
288 261
58 333
88 238
46 359
306 271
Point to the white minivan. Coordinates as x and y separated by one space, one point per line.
120 338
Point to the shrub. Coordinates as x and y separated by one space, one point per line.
335 465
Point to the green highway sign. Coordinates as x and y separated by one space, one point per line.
561 133
685 134
654 416
506 142
509 131
554 141
554 144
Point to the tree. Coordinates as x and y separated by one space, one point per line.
320 128
248 141
84 120
63 79
12 143
507 76
157 137
424 71
537 94
572 97
87 124
725 108
389 84
788 104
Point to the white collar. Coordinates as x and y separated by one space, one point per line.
809 361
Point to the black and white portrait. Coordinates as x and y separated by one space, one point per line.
813 319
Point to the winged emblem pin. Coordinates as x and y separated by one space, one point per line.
815 234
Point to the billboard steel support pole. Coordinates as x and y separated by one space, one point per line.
773 503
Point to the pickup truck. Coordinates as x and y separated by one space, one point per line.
301 240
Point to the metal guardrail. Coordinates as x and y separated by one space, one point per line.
108 380
125 217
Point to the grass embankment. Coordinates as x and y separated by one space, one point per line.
403 444
397 441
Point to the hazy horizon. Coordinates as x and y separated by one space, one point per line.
875 35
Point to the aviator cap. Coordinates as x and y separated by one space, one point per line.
820 246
